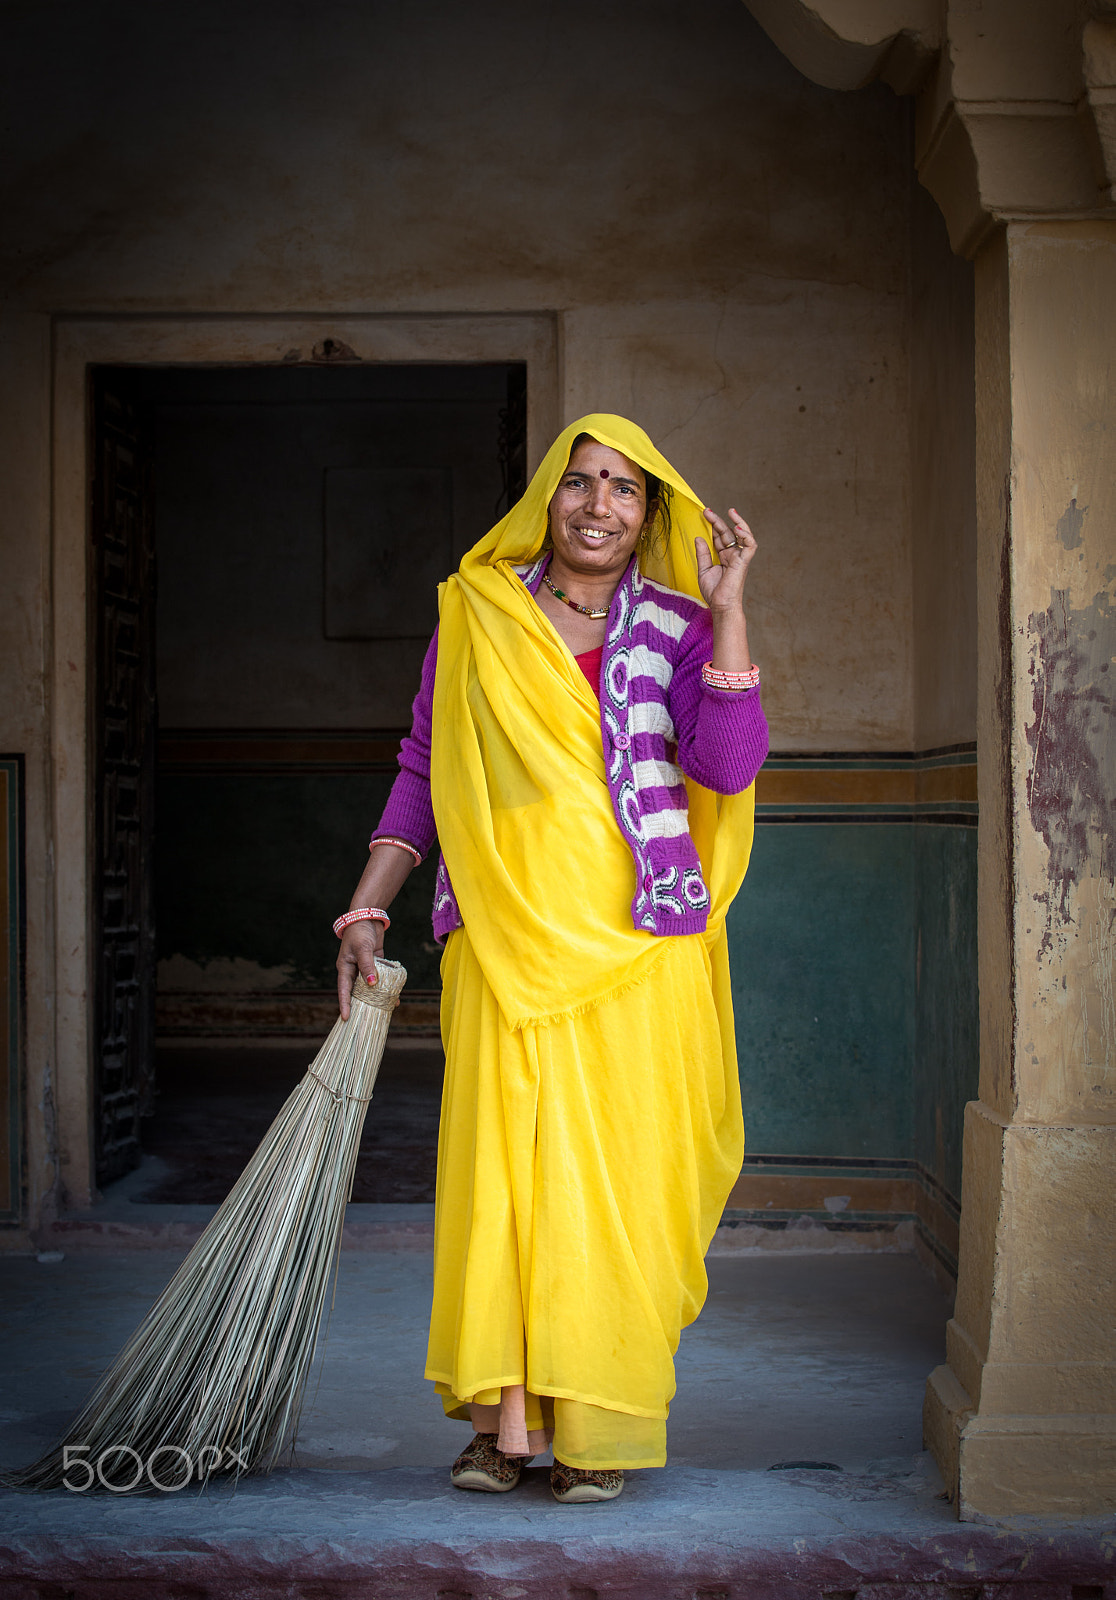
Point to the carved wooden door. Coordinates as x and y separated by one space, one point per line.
124 924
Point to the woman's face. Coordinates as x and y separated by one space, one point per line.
597 512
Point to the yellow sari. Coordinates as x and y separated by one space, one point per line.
591 1126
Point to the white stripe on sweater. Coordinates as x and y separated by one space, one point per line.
643 662
650 716
656 774
668 622
665 824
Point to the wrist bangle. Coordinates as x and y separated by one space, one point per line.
362 914
400 844
717 678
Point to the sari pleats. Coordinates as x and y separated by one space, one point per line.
583 1166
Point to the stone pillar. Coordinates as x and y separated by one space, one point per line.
1015 137
1023 1418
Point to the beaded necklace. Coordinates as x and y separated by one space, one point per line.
586 611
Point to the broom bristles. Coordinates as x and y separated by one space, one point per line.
212 1380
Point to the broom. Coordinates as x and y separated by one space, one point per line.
212 1380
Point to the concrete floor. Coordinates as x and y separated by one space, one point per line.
796 1358
819 1358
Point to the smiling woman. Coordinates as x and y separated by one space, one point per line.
599 512
583 750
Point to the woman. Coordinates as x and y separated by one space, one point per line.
584 747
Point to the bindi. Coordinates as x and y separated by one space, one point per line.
604 472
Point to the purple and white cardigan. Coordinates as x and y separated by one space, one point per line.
659 720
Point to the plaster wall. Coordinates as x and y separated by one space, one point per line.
724 255
943 483
725 250
942 420
188 155
804 431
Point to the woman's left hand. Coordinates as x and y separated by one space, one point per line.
722 586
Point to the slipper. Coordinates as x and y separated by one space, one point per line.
481 1465
575 1487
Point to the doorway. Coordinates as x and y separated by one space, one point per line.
283 530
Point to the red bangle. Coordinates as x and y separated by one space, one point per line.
718 678
400 844
362 914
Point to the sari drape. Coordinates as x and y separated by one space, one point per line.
591 1124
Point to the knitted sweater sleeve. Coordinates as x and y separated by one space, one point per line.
409 813
722 733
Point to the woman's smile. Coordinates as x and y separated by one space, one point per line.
596 515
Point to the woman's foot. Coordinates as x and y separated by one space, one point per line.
575 1487
482 1466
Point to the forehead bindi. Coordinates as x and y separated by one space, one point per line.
623 472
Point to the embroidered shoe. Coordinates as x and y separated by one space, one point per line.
575 1487
482 1466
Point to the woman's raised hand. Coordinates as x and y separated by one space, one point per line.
722 581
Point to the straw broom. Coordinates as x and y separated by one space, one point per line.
212 1380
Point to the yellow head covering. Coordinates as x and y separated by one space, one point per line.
519 536
542 874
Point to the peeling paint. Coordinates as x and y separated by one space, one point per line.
1070 523
1070 792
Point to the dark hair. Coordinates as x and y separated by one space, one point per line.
656 529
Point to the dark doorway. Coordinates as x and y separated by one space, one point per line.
217 1098
300 518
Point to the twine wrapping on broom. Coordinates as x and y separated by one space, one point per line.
211 1383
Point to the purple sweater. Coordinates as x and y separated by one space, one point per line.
659 720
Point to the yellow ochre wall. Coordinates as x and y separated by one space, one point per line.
721 250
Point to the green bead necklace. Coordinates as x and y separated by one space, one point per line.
586 611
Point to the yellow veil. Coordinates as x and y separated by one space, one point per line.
540 869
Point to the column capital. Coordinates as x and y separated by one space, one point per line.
1016 99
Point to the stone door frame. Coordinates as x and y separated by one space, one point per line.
80 343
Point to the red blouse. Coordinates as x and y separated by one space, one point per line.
590 664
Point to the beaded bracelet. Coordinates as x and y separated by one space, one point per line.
362 914
716 678
387 838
